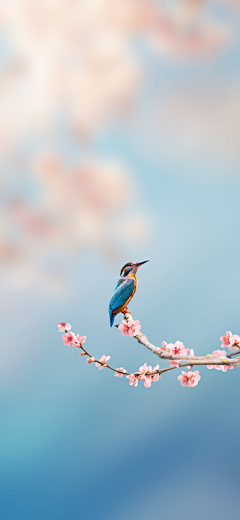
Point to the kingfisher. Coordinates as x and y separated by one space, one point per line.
124 290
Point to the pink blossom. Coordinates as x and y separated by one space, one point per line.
234 339
144 369
80 340
225 367
104 360
118 374
174 363
220 354
69 339
225 339
147 381
91 360
146 378
130 328
177 349
145 374
156 377
64 327
133 380
189 378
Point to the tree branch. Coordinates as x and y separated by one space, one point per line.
176 354
163 353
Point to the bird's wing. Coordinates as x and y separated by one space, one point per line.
122 292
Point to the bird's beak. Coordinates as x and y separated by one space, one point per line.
141 263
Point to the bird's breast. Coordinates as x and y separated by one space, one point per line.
135 281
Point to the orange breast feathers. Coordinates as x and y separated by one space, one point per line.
130 297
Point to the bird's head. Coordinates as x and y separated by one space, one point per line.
131 268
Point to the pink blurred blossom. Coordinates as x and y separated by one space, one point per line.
189 378
64 327
91 79
104 360
130 328
69 339
92 186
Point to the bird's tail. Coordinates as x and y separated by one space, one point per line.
112 318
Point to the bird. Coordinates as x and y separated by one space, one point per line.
124 290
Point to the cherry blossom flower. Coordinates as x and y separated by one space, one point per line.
69 339
145 374
118 374
146 378
133 380
177 349
91 360
225 367
147 381
225 339
174 363
130 328
104 360
64 327
220 354
189 378
144 369
156 377
80 340
234 340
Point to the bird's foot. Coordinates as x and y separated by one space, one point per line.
125 311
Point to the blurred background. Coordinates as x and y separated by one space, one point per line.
119 141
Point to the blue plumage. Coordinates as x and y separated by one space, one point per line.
122 292
124 289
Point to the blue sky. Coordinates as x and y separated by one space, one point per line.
81 444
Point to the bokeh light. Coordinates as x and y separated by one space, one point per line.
119 141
